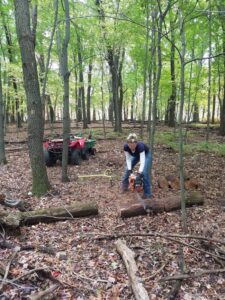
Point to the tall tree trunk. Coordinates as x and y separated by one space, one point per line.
182 90
151 67
172 99
12 77
195 107
102 100
40 183
45 68
120 84
222 110
46 99
113 62
81 82
2 142
159 70
145 69
214 108
78 108
89 93
209 71
65 75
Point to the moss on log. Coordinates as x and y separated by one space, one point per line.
53 214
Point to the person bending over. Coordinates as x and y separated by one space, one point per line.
136 151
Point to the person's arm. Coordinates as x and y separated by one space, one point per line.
142 162
128 160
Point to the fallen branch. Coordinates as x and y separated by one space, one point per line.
127 255
169 237
27 274
156 234
41 294
195 248
7 268
192 275
89 278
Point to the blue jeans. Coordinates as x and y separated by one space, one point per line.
146 177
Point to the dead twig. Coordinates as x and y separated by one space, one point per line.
8 267
158 271
90 279
191 275
155 234
27 274
196 248
41 294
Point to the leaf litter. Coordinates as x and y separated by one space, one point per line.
87 265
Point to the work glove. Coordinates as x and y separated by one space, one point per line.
129 173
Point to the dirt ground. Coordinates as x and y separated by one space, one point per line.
87 264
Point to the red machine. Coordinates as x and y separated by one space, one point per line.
79 148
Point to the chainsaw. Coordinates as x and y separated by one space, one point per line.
135 183
136 186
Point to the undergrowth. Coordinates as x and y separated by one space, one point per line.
171 139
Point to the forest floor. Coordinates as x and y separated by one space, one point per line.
86 263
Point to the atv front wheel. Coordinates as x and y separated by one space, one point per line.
75 157
49 160
84 154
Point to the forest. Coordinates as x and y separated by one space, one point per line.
99 70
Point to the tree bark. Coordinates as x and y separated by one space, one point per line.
160 205
222 114
40 183
128 255
81 81
65 75
76 210
112 57
172 99
2 142
89 93
12 78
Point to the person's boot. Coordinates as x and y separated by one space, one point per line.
146 197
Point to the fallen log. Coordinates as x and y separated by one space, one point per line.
127 255
160 205
53 214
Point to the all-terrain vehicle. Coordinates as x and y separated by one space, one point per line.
79 148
